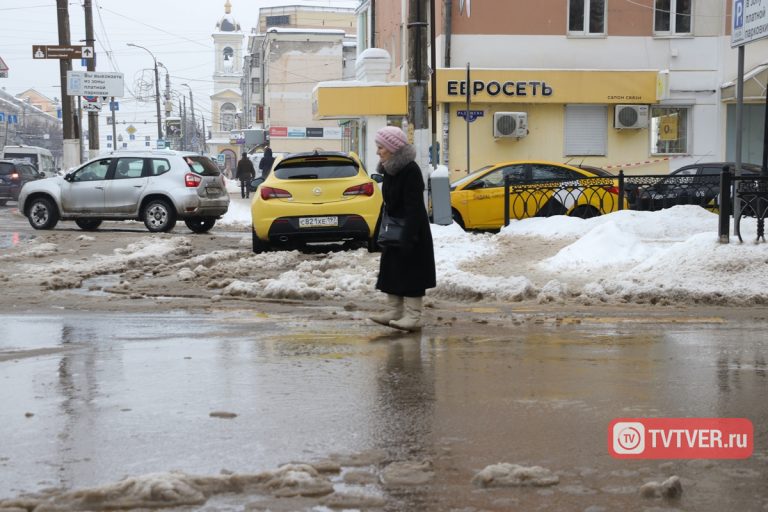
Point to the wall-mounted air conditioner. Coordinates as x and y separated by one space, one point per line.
630 116
510 124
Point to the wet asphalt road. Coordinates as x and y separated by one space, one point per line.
89 398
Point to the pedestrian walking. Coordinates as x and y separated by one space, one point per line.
266 162
406 270
245 173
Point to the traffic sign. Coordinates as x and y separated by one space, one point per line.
749 22
3 69
94 83
91 104
43 51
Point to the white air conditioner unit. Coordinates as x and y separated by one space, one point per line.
510 124
630 116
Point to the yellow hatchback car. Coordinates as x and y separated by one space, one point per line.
537 189
322 196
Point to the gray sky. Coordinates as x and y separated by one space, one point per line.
177 32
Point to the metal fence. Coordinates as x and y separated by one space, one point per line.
584 198
589 197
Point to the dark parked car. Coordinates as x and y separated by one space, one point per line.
697 184
13 175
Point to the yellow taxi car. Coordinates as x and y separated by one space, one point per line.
320 196
537 189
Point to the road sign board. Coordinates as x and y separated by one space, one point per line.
43 51
91 104
94 83
750 22
3 69
114 106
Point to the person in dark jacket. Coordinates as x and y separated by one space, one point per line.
245 173
407 271
266 162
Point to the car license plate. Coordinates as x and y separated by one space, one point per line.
213 191
318 222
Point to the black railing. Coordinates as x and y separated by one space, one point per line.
584 198
590 197
753 192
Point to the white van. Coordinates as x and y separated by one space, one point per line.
41 158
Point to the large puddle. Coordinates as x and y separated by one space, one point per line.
151 411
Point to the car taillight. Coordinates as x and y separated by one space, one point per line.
192 180
273 193
366 189
611 189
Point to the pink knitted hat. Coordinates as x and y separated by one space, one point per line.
391 138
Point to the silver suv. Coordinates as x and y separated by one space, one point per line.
157 187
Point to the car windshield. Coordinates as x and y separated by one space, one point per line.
202 165
5 168
470 177
316 168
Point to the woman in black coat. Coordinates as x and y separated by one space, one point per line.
407 271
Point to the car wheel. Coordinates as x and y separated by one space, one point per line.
159 216
258 244
585 212
88 224
456 216
200 224
42 213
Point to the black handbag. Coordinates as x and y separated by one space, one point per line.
391 231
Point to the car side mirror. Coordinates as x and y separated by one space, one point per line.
254 184
378 178
70 176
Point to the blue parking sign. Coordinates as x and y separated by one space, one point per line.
2 117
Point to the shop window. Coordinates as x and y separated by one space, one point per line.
672 17
586 17
586 130
669 130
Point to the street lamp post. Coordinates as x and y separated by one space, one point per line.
157 91
192 108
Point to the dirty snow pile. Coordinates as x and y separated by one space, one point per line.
667 256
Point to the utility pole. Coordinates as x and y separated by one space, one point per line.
93 117
194 140
167 93
417 81
71 158
184 123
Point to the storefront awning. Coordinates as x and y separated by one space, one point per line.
755 81
351 99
